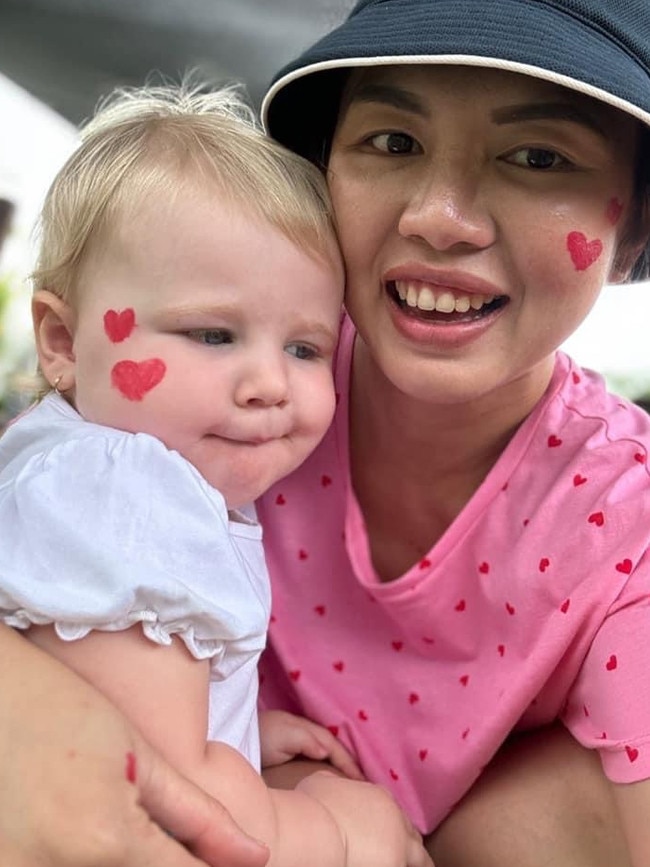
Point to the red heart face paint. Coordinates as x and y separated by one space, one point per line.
131 769
118 325
614 210
135 378
583 252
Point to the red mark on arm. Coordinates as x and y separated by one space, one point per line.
583 252
118 325
135 378
614 210
131 768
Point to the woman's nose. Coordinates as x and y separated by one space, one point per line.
448 207
263 383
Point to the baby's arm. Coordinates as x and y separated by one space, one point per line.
633 802
326 822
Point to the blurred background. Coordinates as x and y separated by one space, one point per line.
58 57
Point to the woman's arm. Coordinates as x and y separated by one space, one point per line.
65 799
327 822
633 802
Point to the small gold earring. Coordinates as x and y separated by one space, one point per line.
56 383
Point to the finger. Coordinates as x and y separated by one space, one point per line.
303 739
417 855
197 820
339 756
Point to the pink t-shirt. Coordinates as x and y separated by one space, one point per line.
533 606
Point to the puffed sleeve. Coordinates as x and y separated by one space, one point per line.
103 533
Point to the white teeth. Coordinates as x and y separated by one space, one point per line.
446 303
425 298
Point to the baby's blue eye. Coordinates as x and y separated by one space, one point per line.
212 336
302 351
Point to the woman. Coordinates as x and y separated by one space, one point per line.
480 213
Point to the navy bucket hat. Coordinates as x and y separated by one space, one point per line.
598 47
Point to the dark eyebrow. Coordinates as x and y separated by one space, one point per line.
548 111
387 94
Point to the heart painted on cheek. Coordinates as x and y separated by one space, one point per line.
583 252
118 325
614 210
135 378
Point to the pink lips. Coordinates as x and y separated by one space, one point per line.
442 332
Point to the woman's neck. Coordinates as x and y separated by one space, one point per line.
415 465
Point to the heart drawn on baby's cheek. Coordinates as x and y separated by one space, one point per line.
118 325
583 252
135 378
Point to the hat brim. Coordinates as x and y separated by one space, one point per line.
543 40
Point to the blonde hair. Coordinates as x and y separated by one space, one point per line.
150 139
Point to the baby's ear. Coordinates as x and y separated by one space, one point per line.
54 325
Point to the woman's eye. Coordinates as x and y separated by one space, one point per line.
302 351
211 336
395 143
538 158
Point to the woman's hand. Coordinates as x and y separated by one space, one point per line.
80 788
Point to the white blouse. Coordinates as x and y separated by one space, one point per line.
102 529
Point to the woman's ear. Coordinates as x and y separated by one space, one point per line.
54 325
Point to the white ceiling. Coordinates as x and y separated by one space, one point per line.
70 52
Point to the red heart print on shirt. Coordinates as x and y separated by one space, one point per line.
583 252
118 325
612 663
135 378
596 518
632 753
554 442
625 566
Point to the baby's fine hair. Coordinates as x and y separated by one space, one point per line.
153 140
